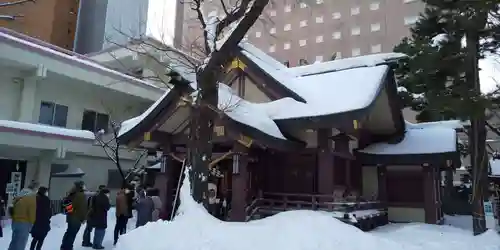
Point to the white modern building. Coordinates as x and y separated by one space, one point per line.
104 23
50 101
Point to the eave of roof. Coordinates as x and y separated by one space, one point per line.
18 40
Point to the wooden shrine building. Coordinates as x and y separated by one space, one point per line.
328 136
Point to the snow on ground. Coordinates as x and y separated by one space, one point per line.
194 229
58 227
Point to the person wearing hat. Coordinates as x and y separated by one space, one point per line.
75 207
23 214
42 222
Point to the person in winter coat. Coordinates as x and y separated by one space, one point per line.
144 207
123 212
158 205
42 222
76 214
88 227
23 216
97 219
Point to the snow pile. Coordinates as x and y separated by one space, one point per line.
195 229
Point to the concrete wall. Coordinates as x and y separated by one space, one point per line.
20 99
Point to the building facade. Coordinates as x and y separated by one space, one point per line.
53 21
317 30
107 23
52 101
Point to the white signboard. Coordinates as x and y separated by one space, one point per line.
15 179
9 188
488 208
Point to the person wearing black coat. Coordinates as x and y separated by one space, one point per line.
97 219
42 222
2 215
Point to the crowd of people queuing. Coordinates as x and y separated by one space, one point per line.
31 213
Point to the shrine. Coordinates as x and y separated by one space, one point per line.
328 136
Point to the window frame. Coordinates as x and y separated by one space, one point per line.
54 113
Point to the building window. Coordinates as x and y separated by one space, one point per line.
376 48
53 114
286 46
319 19
411 20
258 34
356 52
319 58
272 48
354 11
303 23
272 13
375 27
374 6
287 27
94 121
337 35
272 31
303 5
336 15
319 39
288 8
302 42
319 1
355 31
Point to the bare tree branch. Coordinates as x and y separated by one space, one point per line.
7 4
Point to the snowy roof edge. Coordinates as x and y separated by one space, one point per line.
55 52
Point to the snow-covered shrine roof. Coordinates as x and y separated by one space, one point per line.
328 87
423 141
323 89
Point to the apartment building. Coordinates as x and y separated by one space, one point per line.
51 103
53 21
317 30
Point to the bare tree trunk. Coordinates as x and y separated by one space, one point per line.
205 110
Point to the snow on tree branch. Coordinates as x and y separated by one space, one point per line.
112 148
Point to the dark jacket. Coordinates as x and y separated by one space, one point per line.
98 211
43 215
79 202
145 207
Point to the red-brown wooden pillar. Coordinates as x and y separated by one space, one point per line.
239 183
382 184
325 162
429 194
167 170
